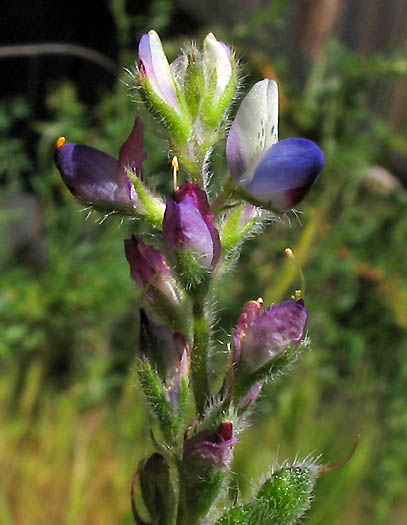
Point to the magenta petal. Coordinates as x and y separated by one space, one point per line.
132 155
93 177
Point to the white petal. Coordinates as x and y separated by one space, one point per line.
162 80
255 128
217 56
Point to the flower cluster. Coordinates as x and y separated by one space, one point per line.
179 269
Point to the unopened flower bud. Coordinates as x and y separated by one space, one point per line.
159 86
189 226
211 448
206 460
155 70
219 69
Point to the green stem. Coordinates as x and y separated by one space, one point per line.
199 358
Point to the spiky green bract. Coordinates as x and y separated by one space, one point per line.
169 416
157 490
190 273
240 223
213 110
152 207
282 499
177 125
271 371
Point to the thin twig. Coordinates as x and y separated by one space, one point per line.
54 48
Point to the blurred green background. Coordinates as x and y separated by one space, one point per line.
72 423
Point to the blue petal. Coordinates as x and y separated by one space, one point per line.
286 172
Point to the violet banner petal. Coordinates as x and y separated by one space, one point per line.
254 129
280 327
286 173
93 177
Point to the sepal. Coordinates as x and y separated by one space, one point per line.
239 224
169 409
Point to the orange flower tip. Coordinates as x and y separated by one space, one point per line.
60 142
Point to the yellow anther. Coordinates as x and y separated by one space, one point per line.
260 300
298 294
61 141
289 253
175 168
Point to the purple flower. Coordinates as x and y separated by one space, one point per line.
262 335
210 447
98 179
189 226
155 70
269 173
152 274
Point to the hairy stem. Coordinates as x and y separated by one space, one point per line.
199 358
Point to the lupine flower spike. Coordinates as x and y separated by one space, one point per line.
192 242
